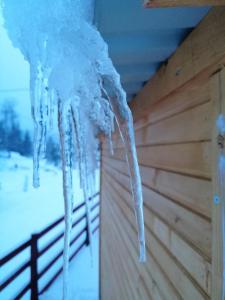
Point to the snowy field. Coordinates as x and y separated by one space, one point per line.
25 210
83 284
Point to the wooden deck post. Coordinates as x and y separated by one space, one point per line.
87 229
34 271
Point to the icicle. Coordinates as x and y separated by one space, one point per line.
64 124
51 108
83 169
221 180
37 133
111 144
39 96
221 124
125 122
68 56
112 130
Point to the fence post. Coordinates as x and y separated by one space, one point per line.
87 227
34 271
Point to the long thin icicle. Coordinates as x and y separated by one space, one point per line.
125 122
64 124
83 169
69 58
221 180
40 115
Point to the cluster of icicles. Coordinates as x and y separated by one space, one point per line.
70 69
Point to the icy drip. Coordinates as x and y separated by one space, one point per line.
112 89
221 181
40 115
64 124
79 141
68 57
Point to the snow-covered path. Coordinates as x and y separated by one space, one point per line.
83 279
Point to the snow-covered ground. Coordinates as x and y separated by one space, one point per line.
25 210
83 283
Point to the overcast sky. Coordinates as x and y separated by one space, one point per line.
14 76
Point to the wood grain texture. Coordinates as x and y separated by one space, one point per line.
167 132
193 159
152 272
190 258
170 267
192 193
172 105
177 191
189 226
180 3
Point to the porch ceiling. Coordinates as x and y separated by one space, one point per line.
140 39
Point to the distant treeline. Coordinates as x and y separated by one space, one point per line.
13 138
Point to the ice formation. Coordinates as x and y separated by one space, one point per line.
221 188
70 68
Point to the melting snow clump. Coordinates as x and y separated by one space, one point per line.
70 71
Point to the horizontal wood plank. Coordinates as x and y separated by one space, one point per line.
128 258
175 104
180 3
192 159
170 266
187 225
192 193
190 126
160 281
195 264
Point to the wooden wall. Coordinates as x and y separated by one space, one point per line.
175 152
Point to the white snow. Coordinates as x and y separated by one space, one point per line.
83 277
21 206
22 213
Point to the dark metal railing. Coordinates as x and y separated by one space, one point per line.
35 254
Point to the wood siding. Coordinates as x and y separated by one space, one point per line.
177 145
174 152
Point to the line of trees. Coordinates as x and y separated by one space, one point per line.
13 138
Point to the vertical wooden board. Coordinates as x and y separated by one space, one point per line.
218 97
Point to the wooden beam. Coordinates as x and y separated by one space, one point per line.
178 3
198 57
218 239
